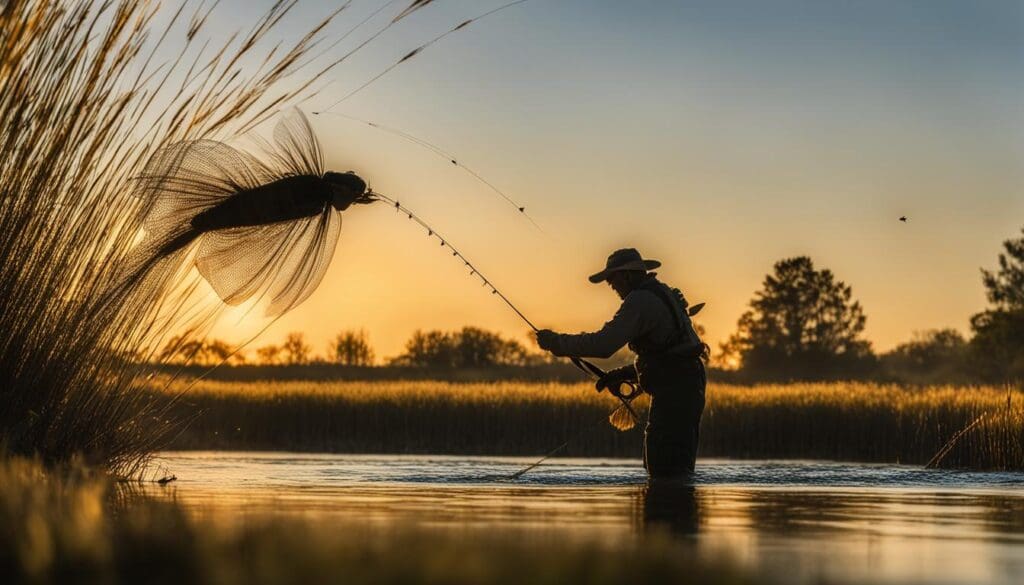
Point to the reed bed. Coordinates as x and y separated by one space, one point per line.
88 92
73 527
505 418
838 421
867 422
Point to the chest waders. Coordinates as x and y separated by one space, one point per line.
674 376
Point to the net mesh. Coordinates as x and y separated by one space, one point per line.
622 419
280 262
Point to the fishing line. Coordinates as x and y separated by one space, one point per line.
420 48
439 152
554 451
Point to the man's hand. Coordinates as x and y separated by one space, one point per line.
609 382
547 340
613 380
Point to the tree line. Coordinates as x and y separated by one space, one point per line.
803 324
467 347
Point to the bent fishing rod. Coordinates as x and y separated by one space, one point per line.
582 364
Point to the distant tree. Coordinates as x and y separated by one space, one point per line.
211 352
295 350
475 347
468 347
222 352
997 349
351 348
803 324
269 355
1005 287
428 349
935 356
180 349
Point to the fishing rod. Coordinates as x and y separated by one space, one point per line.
581 363
439 152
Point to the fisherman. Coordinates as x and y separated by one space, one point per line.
654 320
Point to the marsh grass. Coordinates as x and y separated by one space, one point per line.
505 418
839 421
88 91
867 422
73 527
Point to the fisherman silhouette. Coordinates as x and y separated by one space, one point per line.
655 321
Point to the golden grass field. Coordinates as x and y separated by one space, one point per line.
841 421
75 527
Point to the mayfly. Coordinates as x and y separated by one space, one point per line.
261 227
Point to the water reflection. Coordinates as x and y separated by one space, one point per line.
670 506
805 521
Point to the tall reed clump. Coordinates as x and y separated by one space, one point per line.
88 92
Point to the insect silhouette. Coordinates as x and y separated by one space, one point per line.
261 226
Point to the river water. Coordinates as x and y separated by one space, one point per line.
799 521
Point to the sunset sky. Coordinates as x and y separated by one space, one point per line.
717 137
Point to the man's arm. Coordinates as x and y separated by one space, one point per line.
627 324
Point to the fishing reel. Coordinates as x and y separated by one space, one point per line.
632 392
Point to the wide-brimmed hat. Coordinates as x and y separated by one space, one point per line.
624 259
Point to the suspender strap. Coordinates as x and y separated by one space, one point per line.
661 292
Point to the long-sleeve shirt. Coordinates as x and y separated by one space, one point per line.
641 317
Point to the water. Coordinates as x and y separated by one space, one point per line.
799 521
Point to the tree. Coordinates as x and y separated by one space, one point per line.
935 356
803 324
181 349
997 349
222 352
429 349
269 355
475 347
469 347
351 348
295 349
1005 287
185 350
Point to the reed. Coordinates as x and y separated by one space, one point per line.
839 421
86 96
74 527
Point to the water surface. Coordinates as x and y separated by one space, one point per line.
796 520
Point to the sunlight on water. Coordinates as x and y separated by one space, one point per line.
797 520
